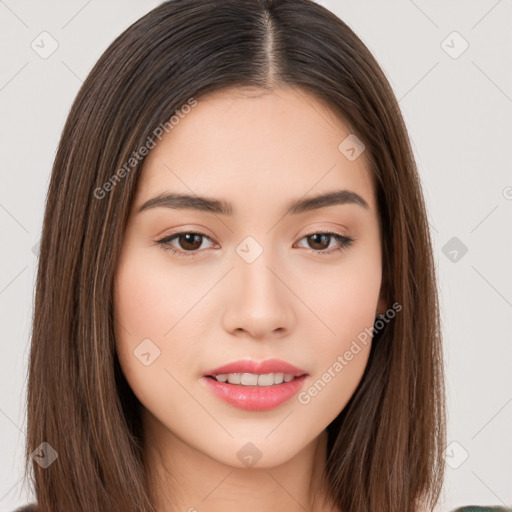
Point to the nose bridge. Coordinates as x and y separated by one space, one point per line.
260 303
254 270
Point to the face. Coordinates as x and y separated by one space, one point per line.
250 278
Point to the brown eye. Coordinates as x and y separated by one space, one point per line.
190 241
188 244
319 242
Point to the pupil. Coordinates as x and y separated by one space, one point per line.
321 236
189 239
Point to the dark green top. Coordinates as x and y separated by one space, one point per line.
472 508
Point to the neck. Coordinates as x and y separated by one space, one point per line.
182 478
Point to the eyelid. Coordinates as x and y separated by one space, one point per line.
323 228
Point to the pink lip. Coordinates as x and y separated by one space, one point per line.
254 398
259 367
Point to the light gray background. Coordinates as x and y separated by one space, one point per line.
458 112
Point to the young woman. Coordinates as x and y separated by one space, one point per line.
236 301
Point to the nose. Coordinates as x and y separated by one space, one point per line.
260 303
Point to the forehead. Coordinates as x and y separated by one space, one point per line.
249 144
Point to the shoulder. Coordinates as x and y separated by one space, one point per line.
473 508
32 507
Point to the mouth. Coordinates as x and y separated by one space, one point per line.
254 398
255 386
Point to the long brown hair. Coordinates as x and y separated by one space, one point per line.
385 447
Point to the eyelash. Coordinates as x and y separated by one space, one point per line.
344 242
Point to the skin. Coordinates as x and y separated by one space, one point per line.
258 151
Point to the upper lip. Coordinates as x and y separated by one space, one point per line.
257 367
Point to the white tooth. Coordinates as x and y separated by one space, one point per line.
252 379
234 378
278 378
249 379
266 380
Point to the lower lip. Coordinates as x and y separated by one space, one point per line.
254 398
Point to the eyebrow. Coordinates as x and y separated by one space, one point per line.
221 207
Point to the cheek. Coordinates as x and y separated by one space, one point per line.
149 305
152 297
347 306
347 298
340 356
